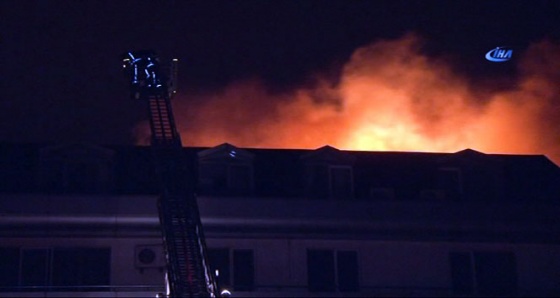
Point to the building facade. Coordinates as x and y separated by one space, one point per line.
81 220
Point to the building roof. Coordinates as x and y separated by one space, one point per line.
37 168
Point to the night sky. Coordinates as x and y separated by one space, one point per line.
63 81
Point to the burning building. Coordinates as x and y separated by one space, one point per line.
82 220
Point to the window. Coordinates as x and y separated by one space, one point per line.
239 177
327 181
483 273
450 180
235 268
328 173
226 170
347 271
52 176
34 269
218 178
219 262
213 176
82 177
462 273
318 181
341 182
9 266
54 267
329 271
80 266
320 270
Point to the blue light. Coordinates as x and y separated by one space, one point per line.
135 79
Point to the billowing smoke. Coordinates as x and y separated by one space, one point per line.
389 97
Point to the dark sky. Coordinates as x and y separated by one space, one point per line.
62 78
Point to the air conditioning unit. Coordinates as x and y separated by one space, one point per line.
149 256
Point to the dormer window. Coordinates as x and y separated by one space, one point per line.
226 170
240 177
451 182
341 181
471 175
328 174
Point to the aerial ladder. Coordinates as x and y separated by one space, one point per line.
188 272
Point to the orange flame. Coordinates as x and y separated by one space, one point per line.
389 97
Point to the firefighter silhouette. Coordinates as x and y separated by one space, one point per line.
144 72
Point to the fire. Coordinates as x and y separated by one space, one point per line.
389 97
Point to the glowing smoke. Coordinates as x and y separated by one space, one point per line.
389 97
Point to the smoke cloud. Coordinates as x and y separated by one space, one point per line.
389 97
